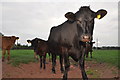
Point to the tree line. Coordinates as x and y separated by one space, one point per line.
108 48
19 46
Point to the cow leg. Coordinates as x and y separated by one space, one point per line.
49 57
67 66
40 61
53 63
44 60
61 64
35 56
8 58
3 55
87 54
82 65
91 53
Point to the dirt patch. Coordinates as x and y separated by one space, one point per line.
32 70
0 69
102 70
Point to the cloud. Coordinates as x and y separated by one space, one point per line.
29 20
0 17
59 1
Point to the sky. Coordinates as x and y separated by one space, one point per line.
32 19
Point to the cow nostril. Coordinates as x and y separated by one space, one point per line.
86 37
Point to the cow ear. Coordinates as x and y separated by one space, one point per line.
29 41
101 13
70 16
17 38
93 42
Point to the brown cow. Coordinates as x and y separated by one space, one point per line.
7 42
40 48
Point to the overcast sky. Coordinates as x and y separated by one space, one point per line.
29 20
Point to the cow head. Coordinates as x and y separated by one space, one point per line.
85 21
13 38
17 38
33 42
29 41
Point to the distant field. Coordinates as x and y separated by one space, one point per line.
107 56
26 56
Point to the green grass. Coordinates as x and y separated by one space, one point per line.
21 56
26 56
106 56
93 73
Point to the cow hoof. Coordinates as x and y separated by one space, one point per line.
64 78
40 67
2 60
44 68
62 71
53 72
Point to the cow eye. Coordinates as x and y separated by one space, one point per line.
79 21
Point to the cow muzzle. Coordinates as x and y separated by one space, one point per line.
17 38
85 38
28 41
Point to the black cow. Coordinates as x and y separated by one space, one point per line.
70 38
89 49
41 48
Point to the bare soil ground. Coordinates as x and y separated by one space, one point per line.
32 70
0 69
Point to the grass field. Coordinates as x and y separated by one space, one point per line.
106 56
26 56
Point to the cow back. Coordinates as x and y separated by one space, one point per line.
64 34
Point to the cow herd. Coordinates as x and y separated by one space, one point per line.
73 38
